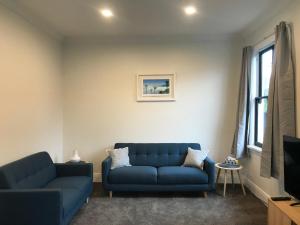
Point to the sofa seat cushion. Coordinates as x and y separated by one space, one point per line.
80 183
74 189
181 175
70 200
133 175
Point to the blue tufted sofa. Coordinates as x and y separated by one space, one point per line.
157 167
35 191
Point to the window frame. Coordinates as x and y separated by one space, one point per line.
258 99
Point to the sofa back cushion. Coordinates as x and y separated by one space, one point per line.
157 154
33 171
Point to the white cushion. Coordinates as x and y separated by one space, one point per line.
195 158
119 157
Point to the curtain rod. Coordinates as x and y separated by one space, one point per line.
269 35
264 38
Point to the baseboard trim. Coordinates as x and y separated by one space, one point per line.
257 191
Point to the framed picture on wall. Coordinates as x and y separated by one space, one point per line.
156 87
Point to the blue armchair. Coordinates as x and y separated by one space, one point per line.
35 191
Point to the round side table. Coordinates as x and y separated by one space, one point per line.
231 169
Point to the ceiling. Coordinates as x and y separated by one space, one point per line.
146 18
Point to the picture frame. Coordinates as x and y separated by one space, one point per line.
156 87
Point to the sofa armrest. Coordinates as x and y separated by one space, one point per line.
80 169
106 165
31 206
209 167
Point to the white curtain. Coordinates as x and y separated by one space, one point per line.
241 135
281 118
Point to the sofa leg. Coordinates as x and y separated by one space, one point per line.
205 194
110 194
87 200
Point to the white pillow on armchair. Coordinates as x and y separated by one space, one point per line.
119 157
195 158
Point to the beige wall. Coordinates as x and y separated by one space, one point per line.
30 90
100 91
261 186
100 96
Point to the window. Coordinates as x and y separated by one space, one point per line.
265 62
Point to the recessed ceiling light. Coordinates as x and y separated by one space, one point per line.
106 13
190 10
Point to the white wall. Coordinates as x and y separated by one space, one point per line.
30 90
261 186
100 96
100 91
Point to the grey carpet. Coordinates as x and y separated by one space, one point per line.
173 209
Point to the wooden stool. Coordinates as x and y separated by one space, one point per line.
231 169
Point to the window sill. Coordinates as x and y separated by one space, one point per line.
254 148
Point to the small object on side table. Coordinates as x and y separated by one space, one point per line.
75 157
230 162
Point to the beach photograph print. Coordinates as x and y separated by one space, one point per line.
154 87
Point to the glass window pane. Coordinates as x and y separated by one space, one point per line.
266 70
261 119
